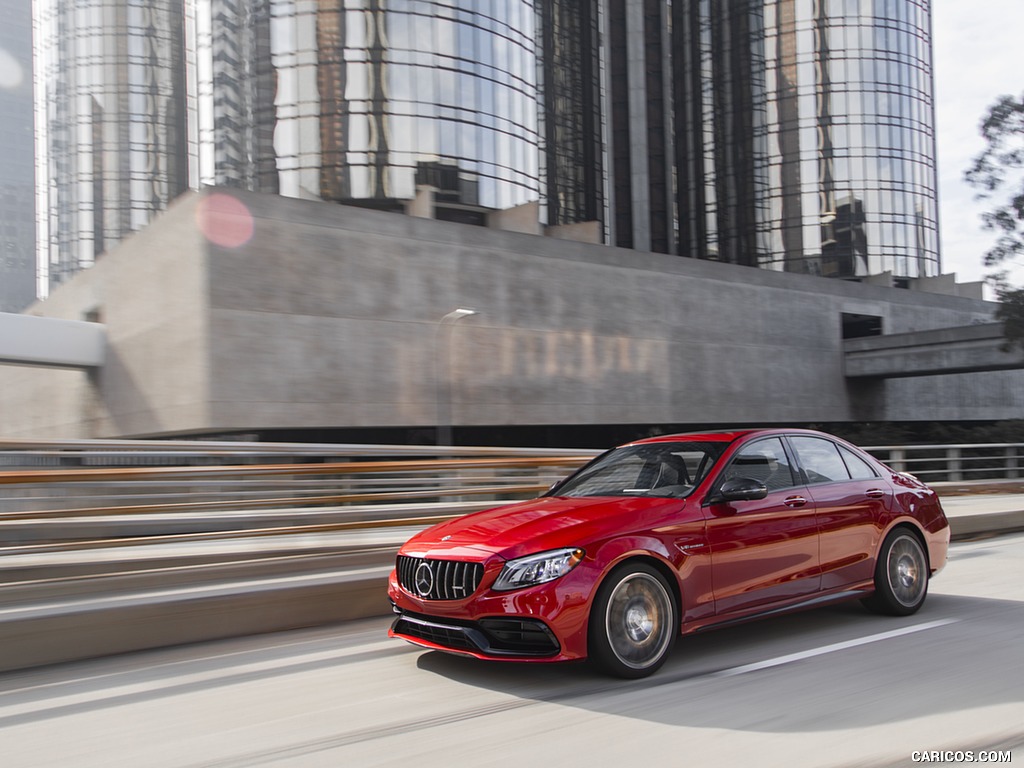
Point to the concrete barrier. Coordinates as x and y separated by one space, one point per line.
968 527
88 627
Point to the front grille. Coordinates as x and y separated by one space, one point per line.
438 579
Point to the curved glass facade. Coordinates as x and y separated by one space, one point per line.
571 119
362 100
787 134
110 121
816 120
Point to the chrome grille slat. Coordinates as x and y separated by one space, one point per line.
458 580
403 571
452 579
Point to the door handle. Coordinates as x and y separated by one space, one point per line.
795 501
875 493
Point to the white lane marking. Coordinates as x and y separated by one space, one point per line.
791 657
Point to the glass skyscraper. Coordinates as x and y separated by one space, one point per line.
793 135
360 101
785 134
17 175
110 117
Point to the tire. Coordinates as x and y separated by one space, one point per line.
633 622
901 575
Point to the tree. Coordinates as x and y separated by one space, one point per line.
998 173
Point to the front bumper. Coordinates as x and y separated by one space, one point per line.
543 623
506 637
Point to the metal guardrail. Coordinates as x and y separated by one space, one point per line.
98 475
49 478
75 495
110 451
79 494
954 463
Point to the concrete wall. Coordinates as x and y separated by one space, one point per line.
150 293
327 316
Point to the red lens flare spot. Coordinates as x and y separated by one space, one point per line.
225 220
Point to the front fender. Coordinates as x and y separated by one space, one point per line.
688 570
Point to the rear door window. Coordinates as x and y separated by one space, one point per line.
764 461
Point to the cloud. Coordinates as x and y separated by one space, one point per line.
975 50
11 72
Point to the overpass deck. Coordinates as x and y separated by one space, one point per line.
966 349
50 342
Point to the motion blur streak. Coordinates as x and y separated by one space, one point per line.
336 696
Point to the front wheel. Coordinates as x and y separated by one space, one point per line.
901 575
633 622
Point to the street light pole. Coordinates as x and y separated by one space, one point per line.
443 372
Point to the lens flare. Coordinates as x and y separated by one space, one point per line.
225 220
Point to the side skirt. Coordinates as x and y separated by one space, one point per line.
778 609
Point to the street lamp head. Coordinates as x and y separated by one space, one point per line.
458 314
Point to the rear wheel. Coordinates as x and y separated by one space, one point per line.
633 622
901 575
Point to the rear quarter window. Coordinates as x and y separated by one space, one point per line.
858 467
820 459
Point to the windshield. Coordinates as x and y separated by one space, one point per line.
670 469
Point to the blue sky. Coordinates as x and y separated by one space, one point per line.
977 52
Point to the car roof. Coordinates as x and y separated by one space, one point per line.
725 436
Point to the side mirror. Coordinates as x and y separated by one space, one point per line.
739 489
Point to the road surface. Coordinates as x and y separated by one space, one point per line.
831 687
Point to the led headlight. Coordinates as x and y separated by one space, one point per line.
537 569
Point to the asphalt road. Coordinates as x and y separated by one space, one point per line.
831 687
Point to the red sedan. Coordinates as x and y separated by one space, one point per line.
671 535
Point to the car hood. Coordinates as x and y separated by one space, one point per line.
532 526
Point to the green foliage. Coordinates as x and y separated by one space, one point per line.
1011 313
998 173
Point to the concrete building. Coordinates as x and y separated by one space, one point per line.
248 313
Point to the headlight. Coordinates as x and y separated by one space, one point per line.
537 569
